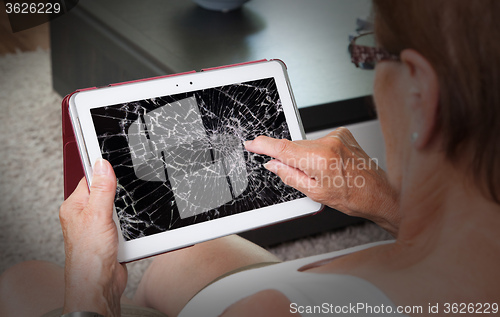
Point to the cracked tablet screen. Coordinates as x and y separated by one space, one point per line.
180 159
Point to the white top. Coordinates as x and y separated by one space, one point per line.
310 294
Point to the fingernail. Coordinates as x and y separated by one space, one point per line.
270 166
247 143
100 167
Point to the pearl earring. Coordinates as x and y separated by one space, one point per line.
414 137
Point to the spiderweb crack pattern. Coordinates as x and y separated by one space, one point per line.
180 160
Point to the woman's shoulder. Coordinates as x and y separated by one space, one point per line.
268 302
289 287
332 294
349 260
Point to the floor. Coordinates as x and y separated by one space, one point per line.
24 41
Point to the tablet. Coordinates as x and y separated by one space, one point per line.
176 146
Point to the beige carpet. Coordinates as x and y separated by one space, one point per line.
31 183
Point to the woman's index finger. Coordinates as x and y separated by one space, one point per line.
283 150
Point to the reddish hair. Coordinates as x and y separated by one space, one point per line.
460 38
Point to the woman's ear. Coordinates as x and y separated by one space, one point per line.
423 97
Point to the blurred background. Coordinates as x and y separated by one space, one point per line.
108 41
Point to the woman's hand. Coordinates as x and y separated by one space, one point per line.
94 280
334 171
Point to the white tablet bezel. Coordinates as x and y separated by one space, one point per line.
81 103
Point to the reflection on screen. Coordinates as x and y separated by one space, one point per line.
171 140
180 159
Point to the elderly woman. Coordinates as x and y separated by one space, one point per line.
437 98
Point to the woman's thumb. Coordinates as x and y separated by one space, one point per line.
103 188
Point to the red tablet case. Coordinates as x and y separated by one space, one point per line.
72 163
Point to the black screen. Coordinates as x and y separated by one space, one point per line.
180 159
